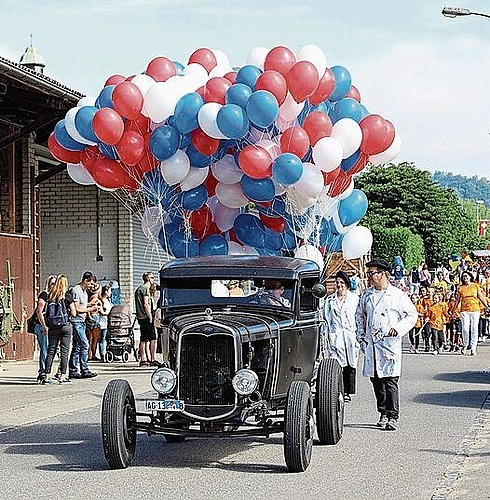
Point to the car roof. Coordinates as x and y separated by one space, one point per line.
227 266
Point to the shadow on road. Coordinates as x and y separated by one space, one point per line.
457 399
468 377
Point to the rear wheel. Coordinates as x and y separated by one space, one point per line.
109 357
299 427
330 402
125 356
118 418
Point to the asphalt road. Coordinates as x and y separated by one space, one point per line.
50 444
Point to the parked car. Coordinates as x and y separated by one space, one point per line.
241 337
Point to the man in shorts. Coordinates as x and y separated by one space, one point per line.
144 315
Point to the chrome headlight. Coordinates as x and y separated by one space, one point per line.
163 380
245 382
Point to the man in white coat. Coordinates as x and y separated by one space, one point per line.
384 314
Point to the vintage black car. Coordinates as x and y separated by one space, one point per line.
241 337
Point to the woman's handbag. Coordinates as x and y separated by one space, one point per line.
32 322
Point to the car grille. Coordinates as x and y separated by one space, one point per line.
207 365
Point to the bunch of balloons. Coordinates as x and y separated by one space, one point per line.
257 159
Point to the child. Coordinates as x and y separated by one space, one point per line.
425 301
437 313
414 334
454 324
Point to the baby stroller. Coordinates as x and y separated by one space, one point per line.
120 335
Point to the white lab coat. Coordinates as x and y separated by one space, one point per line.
341 328
375 316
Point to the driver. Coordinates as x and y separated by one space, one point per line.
272 295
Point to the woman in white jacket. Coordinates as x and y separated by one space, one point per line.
384 314
339 312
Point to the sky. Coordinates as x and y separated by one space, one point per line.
426 73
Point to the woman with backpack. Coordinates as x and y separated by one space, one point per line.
58 310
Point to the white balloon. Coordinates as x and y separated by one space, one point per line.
290 109
298 204
79 174
224 217
231 195
220 71
71 129
247 250
207 120
226 170
348 132
152 221
280 189
235 248
326 205
160 101
327 153
194 178
88 100
197 71
315 55
176 168
221 58
309 252
143 82
387 155
310 184
357 242
257 57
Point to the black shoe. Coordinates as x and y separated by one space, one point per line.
74 375
40 379
87 375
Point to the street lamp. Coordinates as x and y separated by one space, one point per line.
460 11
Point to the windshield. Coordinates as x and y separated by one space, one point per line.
229 291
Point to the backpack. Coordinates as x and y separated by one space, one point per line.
56 314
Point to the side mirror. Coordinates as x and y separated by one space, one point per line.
319 290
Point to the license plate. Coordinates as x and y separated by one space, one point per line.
164 405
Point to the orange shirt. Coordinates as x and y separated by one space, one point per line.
426 303
469 297
437 314
421 314
455 313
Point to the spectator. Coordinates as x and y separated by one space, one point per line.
339 312
92 320
234 289
105 297
398 268
424 276
414 281
440 284
425 301
383 316
79 353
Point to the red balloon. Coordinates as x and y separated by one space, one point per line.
390 137
324 88
340 184
276 224
317 126
108 173
374 134
204 143
295 140
204 57
161 69
275 83
108 125
114 80
215 89
201 221
279 59
329 177
200 91
211 183
231 76
360 164
302 80
134 177
140 125
128 100
255 162
130 147
89 155
354 93
62 154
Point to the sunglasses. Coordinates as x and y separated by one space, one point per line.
372 273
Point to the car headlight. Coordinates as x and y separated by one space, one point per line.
245 382
163 380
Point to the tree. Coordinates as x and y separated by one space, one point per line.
404 196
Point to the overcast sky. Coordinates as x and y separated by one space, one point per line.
428 74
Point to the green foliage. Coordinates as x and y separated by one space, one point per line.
468 188
402 196
389 242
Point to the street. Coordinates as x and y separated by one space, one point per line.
50 443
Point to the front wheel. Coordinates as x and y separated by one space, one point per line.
299 427
118 418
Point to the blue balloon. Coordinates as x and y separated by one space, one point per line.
164 142
238 94
272 240
108 151
105 97
364 111
289 240
287 169
232 121
185 141
262 108
353 208
213 244
195 198
346 108
198 159
250 230
179 67
349 162
180 246
154 186
186 111
83 122
64 139
343 82
268 252
248 75
308 108
277 208
258 189
333 242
